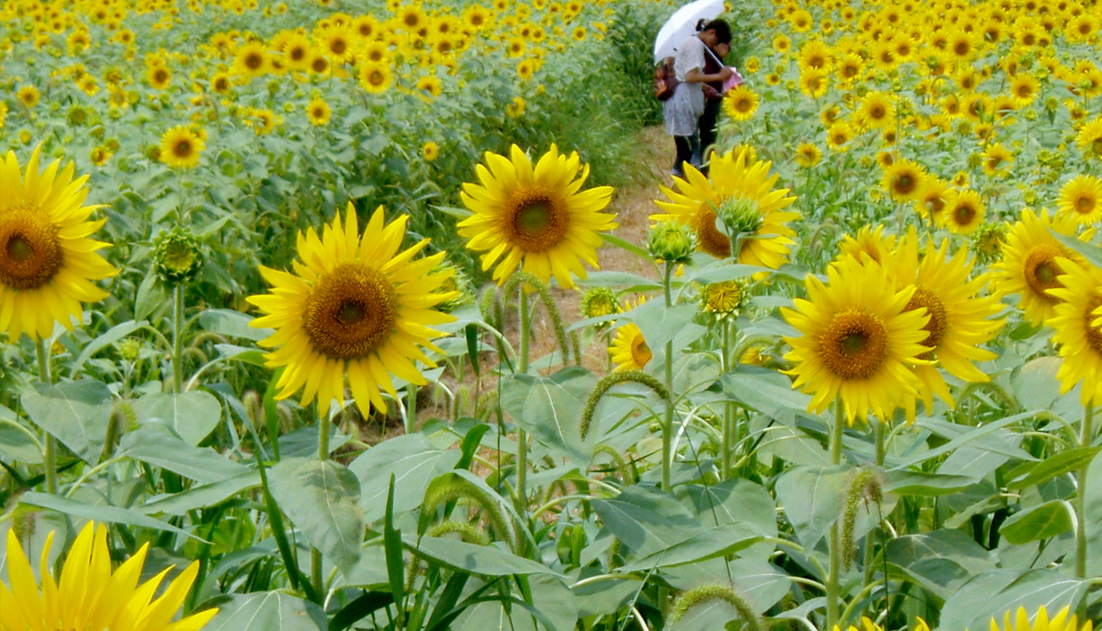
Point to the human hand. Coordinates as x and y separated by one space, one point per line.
724 73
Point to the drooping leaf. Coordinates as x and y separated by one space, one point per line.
474 559
812 497
192 414
163 449
994 593
413 461
105 514
267 611
321 498
1039 522
77 413
647 520
550 408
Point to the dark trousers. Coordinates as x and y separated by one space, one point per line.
686 147
707 127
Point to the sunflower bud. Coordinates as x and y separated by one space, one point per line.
741 215
177 257
458 282
600 301
722 299
988 241
129 349
671 241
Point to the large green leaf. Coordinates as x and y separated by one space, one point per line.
812 498
941 561
647 520
550 408
1039 522
756 580
16 441
77 413
109 337
765 391
200 496
474 559
321 499
193 414
1031 473
267 611
713 542
660 325
1093 512
737 501
926 484
232 324
993 594
412 460
106 514
160 448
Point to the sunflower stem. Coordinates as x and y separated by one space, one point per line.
49 455
177 338
1085 439
667 425
324 422
832 595
728 407
522 436
881 452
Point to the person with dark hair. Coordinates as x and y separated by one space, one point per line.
682 110
713 100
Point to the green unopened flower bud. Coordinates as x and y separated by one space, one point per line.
273 87
77 115
600 301
112 144
460 282
671 241
741 215
129 349
177 257
723 298
988 241
1052 103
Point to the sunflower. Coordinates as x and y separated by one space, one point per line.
220 83
857 341
723 298
875 111
336 41
356 306
1079 340
430 85
536 217
318 112
28 95
838 136
814 83
1029 267
411 17
808 155
850 68
741 103
964 212
959 320
47 260
1090 139
180 147
1081 199
903 180
781 43
961 45
251 60
375 78
88 595
932 198
159 77
737 187
996 160
1024 89
430 151
868 242
629 350
1060 622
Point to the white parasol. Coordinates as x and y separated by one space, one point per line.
683 25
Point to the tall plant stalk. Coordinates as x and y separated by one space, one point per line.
728 407
522 436
667 424
1086 437
177 338
324 428
49 455
832 594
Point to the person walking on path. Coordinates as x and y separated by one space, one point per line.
713 101
682 111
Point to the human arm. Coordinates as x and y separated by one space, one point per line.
696 76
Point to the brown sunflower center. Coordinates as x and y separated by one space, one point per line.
351 312
744 105
376 78
876 112
935 203
905 184
709 238
536 221
1084 203
640 352
30 250
254 61
963 214
1096 146
182 148
338 46
854 345
938 324
298 53
1094 334
1041 272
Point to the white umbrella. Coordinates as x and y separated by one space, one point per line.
683 25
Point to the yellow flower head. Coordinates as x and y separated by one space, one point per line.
741 103
48 263
1081 199
535 216
1075 333
356 306
1060 622
89 595
180 147
857 341
629 350
736 188
1029 267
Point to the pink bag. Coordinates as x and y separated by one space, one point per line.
733 81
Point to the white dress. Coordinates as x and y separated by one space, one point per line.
682 111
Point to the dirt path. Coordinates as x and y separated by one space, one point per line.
633 206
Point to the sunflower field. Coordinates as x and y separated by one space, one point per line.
288 293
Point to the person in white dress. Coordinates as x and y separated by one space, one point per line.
682 111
